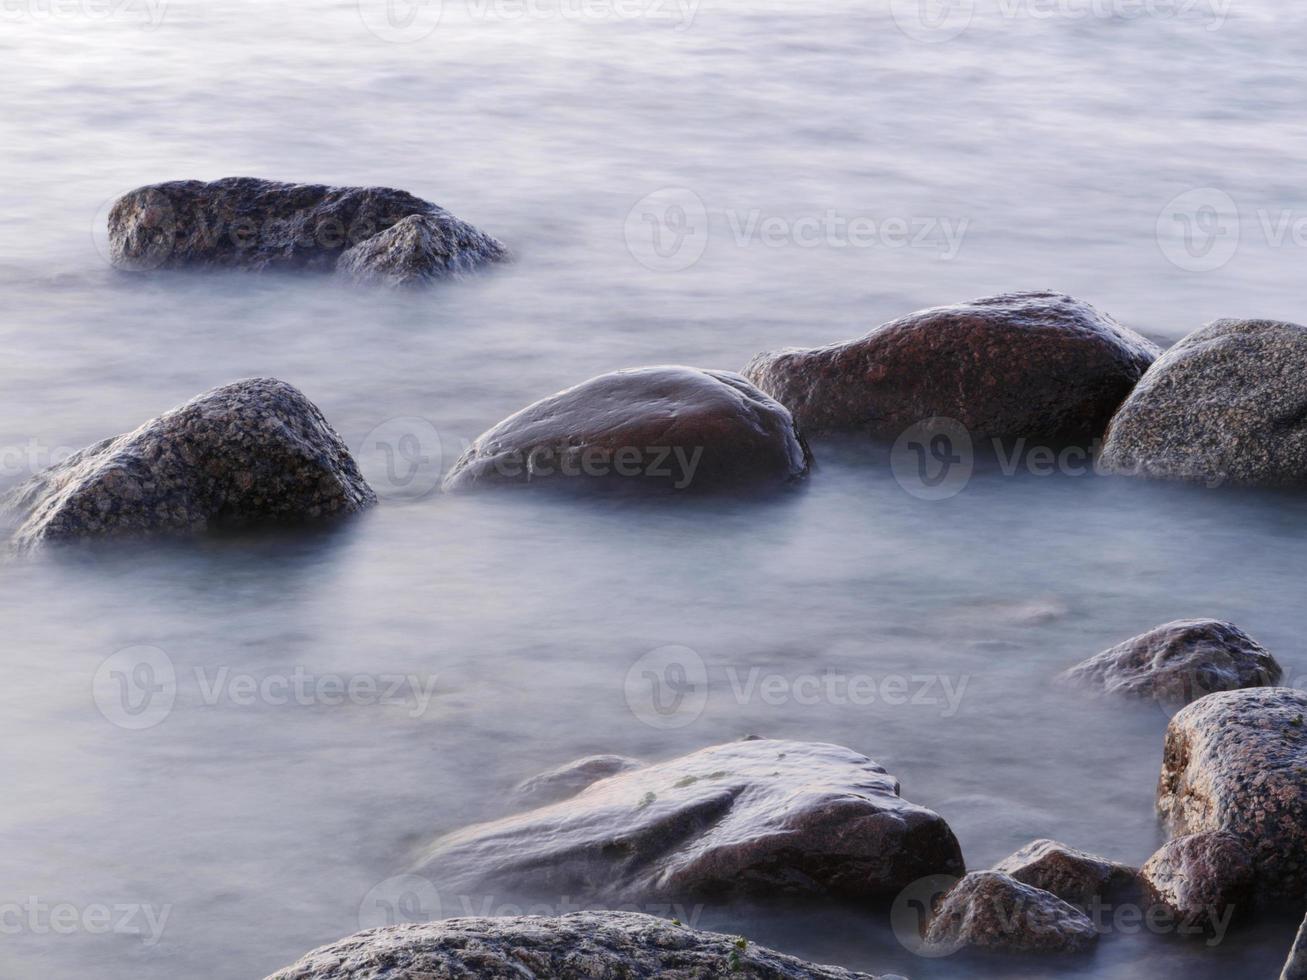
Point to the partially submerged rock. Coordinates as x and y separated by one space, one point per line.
991 910
259 225
760 817
248 453
1203 879
1237 761
1072 875
582 944
1227 404
668 426
568 780
1033 364
1177 663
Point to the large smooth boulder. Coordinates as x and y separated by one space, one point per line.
1072 875
569 779
1204 879
669 426
1227 404
993 911
253 224
582 944
759 817
1032 364
1177 663
253 452
1237 761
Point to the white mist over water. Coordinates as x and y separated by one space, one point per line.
1057 142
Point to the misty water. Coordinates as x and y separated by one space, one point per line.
1026 152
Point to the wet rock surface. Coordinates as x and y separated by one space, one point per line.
1237 761
1295 967
1072 875
1203 879
760 817
1227 404
1177 663
249 453
568 780
991 910
262 225
672 427
582 944
1032 364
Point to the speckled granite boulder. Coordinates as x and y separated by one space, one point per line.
249 453
569 947
1035 364
248 223
1177 663
568 780
759 817
417 250
1202 879
1072 875
1237 761
672 427
991 910
1295 967
1228 404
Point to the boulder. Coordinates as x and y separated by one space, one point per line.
568 780
1237 761
253 452
247 223
1033 364
1177 663
1227 404
1202 879
993 911
582 944
1295 967
1072 875
676 427
759 817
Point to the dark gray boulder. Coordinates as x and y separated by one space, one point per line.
249 453
1033 364
569 947
1177 663
761 817
1227 404
672 427
1202 879
260 225
568 780
1237 761
1295 967
993 911
1072 875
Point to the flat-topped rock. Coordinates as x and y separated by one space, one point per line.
672 427
1227 404
1032 364
760 817
249 453
1203 879
1177 663
1072 875
262 225
1237 761
582 944
993 911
